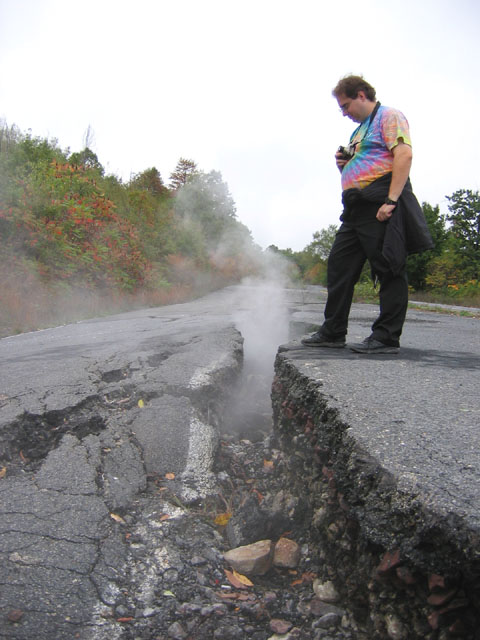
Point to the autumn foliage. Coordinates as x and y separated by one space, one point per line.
74 242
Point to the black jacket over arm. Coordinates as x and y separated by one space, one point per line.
407 231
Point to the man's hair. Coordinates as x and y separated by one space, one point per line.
351 85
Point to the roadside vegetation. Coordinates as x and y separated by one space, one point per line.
75 242
449 274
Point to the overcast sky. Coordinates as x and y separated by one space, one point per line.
244 87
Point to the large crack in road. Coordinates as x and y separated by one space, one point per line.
123 439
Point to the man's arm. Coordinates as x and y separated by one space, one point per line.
402 161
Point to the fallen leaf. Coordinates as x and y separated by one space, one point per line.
228 596
117 518
3 472
233 580
234 595
268 464
308 576
222 519
125 619
164 517
141 404
243 579
169 594
170 476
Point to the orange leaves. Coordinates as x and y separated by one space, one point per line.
242 597
308 576
238 580
222 519
62 213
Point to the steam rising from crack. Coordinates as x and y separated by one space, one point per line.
263 321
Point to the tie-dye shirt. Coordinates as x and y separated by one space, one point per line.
373 152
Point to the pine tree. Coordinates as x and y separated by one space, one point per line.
184 171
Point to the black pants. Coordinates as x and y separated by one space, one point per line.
360 239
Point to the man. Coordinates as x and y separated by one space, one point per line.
381 222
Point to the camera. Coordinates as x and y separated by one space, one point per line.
347 152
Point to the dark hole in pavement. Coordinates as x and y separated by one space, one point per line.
31 437
158 358
115 375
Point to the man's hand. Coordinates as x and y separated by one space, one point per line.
385 212
340 160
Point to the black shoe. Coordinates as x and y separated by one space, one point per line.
318 339
370 345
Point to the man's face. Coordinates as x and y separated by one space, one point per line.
357 109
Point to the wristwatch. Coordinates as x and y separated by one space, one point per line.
390 201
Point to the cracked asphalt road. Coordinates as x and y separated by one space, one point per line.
90 411
87 412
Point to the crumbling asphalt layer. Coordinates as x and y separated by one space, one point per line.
88 413
396 439
416 414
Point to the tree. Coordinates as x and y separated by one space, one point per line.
88 138
30 151
86 159
322 242
444 269
9 136
419 264
204 201
312 261
184 171
149 180
464 215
